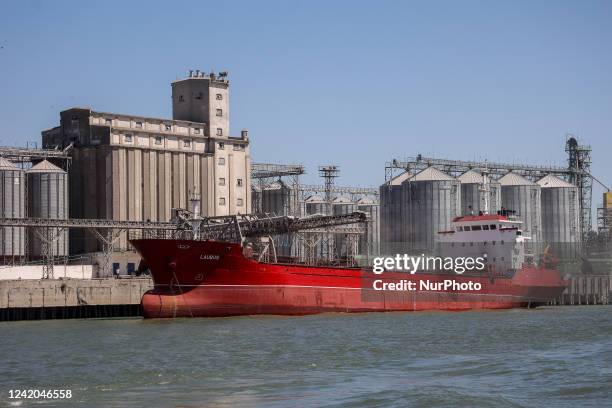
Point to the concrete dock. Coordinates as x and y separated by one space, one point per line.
71 298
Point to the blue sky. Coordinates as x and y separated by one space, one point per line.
346 82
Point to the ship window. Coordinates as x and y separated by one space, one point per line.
484 243
502 258
476 228
463 244
493 242
452 244
471 244
502 242
493 226
485 227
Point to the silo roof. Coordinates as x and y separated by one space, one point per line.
471 177
315 198
341 200
399 179
366 201
277 185
513 179
431 174
45 167
550 181
7 165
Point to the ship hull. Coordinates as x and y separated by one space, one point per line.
214 279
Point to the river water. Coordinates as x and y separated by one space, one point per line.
555 356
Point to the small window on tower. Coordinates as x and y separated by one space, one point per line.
181 98
196 131
221 161
108 121
239 182
168 127
128 137
219 132
239 202
221 181
221 145
186 143
158 140
219 97
219 112
221 200
138 125
199 95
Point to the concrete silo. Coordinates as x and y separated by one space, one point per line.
391 214
48 198
474 192
372 210
560 211
12 205
523 196
431 200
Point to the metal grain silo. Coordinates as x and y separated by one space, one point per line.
523 196
431 200
315 204
474 192
276 198
345 243
560 211
48 199
371 243
12 205
391 214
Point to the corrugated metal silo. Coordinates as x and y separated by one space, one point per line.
523 196
431 200
473 190
12 205
342 206
48 198
315 204
560 211
391 214
372 210
276 199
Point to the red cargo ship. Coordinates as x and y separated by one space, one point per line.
208 278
